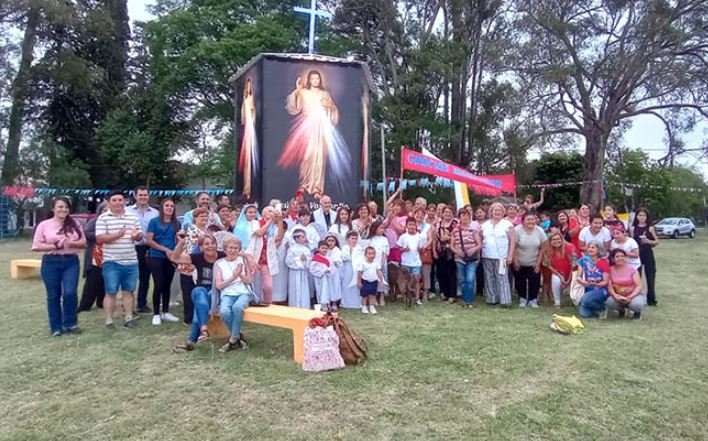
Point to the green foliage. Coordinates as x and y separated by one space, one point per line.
663 191
559 168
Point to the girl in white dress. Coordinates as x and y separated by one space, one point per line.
352 255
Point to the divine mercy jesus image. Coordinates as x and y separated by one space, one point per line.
248 160
314 143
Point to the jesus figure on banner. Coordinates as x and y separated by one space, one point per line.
314 143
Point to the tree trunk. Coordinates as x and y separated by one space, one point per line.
10 167
591 191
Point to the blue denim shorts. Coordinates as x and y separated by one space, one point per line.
414 270
117 277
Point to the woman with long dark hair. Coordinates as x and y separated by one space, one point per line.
93 291
162 239
60 238
644 233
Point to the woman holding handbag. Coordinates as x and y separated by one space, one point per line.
443 255
465 244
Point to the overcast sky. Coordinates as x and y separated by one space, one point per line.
647 132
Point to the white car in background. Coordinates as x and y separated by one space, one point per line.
676 226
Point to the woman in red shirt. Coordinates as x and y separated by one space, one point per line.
559 260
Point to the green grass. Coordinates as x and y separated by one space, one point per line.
437 373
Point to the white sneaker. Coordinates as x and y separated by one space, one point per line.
364 310
156 320
533 304
418 303
522 303
169 317
372 309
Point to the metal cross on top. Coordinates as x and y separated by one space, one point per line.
313 13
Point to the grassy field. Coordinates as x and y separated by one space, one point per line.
442 372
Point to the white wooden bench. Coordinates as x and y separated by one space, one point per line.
25 268
295 319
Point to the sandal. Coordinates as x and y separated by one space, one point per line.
184 347
228 346
203 335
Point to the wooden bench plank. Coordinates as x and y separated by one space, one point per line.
24 268
295 319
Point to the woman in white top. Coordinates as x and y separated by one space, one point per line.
630 246
232 277
498 247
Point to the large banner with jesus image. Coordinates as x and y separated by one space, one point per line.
303 127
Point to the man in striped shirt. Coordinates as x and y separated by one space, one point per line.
119 231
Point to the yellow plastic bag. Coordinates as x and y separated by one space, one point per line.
567 325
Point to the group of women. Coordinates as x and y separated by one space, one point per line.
491 249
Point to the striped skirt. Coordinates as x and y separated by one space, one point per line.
496 286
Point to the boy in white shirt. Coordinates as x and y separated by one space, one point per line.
369 275
411 243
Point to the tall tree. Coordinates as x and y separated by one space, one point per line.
589 65
20 93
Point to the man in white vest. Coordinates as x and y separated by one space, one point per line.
324 216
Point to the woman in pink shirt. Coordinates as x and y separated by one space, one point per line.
625 287
60 238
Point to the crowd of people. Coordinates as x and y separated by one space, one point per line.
231 256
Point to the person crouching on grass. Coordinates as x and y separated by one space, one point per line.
369 275
411 243
232 277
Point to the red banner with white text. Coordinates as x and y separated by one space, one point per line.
414 161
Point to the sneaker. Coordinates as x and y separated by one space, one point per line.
637 316
431 296
156 320
451 300
130 324
418 303
523 303
144 310
73 330
56 334
169 317
110 326
533 304
364 309
372 310
602 315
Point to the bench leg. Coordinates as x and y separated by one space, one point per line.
13 271
299 344
24 272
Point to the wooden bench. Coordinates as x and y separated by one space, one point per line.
24 268
295 319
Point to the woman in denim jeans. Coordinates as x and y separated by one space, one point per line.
465 244
203 262
60 238
594 275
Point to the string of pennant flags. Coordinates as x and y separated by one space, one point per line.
392 183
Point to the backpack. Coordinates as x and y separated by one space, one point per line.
351 346
567 325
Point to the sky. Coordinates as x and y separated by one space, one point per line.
647 132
